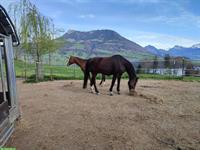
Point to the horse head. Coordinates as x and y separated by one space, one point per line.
70 60
132 84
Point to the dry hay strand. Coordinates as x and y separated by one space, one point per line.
171 143
149 86
23 124
150 98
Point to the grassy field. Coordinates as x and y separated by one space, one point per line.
62 72
73 72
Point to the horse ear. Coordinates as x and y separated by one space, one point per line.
67 59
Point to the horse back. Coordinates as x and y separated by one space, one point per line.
107 65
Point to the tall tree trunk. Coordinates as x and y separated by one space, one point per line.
39 68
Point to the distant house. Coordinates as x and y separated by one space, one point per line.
177 66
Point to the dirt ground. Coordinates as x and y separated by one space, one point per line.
60 115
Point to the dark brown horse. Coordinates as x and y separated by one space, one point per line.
81 63
115 65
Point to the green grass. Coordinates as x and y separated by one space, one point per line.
75 73
57 71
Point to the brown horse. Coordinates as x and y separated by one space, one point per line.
115 65
81 63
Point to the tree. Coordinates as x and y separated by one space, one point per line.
155 64
24 32
13 10
18 12
37 33
167 61
139 69
52 44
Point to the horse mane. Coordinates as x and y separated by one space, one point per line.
79 58
128 65
130 70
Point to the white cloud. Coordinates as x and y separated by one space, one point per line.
56 14
74 1
174 20
87 16
113 1
145 1
163 41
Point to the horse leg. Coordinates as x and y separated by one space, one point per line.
91 84
102 79
118 84
94 83
112 84
101 82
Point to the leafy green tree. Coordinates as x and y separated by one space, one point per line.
37 34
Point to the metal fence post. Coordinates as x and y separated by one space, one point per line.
183 66
74 72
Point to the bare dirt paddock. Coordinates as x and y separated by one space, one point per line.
60 115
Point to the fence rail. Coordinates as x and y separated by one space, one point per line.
172 68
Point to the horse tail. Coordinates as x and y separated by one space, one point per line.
86 75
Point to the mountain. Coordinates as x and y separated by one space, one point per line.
101 43
192 52
196 46
108 42
155 51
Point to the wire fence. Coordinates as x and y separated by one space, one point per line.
173 68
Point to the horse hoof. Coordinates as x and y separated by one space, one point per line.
97 93
118 93
111 93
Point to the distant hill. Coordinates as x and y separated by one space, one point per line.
155 51
108 42
192 52
101 43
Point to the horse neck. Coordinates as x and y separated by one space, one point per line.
130 70
80 62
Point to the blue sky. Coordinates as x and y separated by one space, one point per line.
162 23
